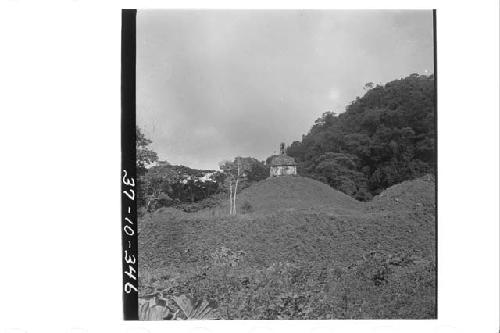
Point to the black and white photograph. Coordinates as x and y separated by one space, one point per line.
286 164
253 167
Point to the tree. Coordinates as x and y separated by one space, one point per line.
255 170
181 183
390 131
145 155
368 86
227 167
235 172
340 171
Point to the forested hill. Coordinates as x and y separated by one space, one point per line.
385 137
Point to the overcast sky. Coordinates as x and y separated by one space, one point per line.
212 85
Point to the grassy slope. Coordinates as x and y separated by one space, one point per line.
302 250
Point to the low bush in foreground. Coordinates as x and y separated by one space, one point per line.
379 286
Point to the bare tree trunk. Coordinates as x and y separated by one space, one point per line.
230 198
234 196
236 187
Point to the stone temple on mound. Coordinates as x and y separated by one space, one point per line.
282 164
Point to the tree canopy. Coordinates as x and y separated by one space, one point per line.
145 155
383 138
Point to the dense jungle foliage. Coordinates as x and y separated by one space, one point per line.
385 137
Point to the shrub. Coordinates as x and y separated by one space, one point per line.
246 207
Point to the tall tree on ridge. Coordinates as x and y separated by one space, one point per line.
234 171
145 155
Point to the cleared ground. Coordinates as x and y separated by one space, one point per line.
298 249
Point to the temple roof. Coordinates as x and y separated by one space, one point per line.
283 160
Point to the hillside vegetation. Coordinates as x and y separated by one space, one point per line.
301 247
292 193
383 138
298 249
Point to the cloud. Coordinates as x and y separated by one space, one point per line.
212 85
334 94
